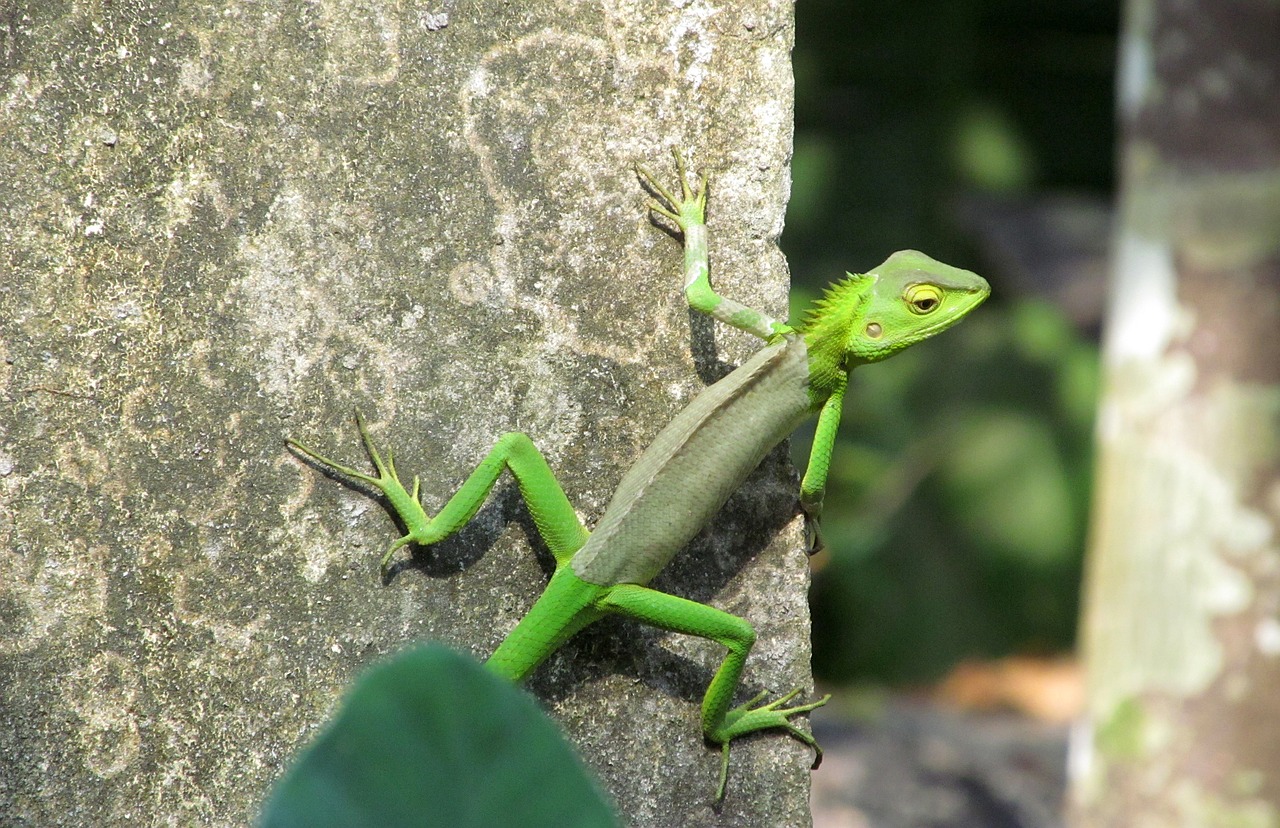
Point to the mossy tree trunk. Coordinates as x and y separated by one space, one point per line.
1182 627
226 223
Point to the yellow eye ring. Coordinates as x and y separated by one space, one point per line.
922 299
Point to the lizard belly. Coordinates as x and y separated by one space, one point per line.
695 464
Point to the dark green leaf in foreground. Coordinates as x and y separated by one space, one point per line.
431 738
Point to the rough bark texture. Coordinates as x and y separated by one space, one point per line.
225 223
1182 636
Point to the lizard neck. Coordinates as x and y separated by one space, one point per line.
826 330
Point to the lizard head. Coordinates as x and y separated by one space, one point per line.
867 317
907 299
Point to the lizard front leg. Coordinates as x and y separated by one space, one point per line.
688 212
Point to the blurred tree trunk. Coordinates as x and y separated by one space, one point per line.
1181 627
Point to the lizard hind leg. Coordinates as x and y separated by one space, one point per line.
720 723
552 513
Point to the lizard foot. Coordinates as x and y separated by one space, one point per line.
747 718
405 503
689 208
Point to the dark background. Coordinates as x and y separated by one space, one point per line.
982 132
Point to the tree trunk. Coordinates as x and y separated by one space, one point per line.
229 223
1182 625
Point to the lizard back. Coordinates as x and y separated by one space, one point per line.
695 464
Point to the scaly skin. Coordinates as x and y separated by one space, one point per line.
694 464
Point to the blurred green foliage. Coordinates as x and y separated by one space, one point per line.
955 514
956 510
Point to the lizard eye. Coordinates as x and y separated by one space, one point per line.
922 299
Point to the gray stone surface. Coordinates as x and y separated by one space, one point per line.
225 223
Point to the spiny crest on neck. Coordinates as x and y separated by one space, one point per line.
826 329
837 306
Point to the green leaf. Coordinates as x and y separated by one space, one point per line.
431 738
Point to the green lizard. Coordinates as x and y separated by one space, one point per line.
694 464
